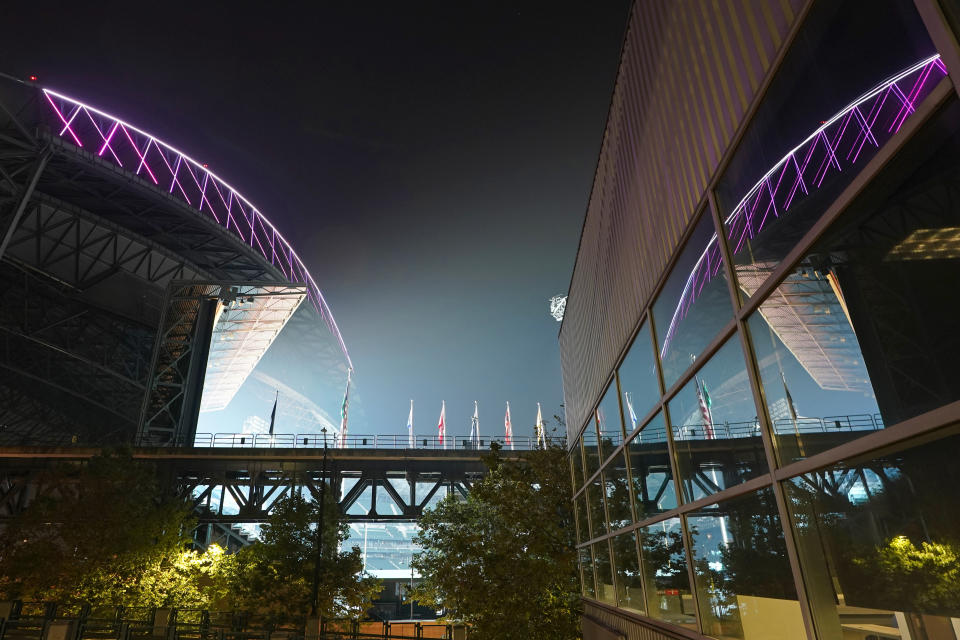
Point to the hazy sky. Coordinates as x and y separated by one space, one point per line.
430 162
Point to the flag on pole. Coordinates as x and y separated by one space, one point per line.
703 397
343 412
410 425
634 421
273 414
475 427
541 437
442 425
508 428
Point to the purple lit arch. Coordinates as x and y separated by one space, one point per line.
190 181
879 113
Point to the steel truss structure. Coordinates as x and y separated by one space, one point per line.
233 487
90 243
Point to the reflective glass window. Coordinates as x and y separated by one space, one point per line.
824 116
586 572
608 420
598 518
638 380
650 470
576 463
627 565
583 523
616 481
665 573
694 303
862 334
591 451
716 432
745 586
878 542
601 560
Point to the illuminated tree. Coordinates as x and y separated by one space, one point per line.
273 578
92 533
503 560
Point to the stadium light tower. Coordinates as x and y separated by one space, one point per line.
557 306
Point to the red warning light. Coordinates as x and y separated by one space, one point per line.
33 78
205 165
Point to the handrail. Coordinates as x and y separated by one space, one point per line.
361 441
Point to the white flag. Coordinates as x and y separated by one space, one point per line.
410 425
508 428
541 437
475 427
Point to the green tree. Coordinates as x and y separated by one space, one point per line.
92 533
503 560
273 578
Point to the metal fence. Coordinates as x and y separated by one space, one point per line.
52 621
749 429
314 441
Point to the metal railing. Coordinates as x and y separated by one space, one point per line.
47 620
314 441
746 429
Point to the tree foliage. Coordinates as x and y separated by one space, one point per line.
503 559
274 577
95 532
105 532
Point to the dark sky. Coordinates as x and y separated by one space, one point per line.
430 162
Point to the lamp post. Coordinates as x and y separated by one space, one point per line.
323 505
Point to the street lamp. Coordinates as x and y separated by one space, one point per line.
323 505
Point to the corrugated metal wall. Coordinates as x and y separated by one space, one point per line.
630 629
688 73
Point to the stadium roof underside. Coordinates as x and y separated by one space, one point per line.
90 244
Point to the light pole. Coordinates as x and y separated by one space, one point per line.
323 505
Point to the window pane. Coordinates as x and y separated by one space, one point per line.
591 453
694 304
601 559
629 582
878 538
653 489
820 122
598 518
744 583
638 380
576 462
665 571
617 483
863 333
583 523
608 417
586 572
716 433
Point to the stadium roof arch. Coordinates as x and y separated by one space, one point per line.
111 242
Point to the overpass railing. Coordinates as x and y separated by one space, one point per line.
749 429
314 441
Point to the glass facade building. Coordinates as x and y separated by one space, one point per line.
764 421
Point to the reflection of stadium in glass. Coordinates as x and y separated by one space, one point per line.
790 430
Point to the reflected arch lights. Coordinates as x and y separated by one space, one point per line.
871 119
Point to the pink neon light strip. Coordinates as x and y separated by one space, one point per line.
66 125
829 139
261 232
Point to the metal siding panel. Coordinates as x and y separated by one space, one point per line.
689 70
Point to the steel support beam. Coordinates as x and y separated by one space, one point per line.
25 196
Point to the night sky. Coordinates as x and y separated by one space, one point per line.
430 162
